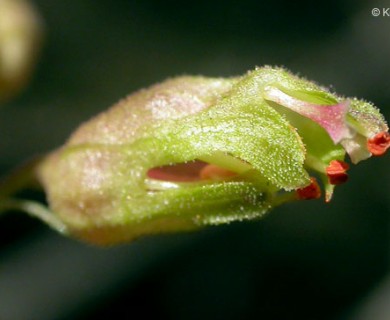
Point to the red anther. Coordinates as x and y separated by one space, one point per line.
379 143
312 191
337 172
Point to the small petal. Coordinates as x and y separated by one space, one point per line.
356 148
330 117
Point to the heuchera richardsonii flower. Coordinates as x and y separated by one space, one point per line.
196 151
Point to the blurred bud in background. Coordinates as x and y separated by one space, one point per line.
21 32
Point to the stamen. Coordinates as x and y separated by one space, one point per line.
379 143
312 191
337 172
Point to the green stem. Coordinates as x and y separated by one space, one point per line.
314 163
19 179
36 210
283 198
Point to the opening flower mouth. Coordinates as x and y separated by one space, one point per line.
329 130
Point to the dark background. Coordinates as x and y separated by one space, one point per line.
307 260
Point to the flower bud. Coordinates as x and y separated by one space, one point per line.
20 39
195 151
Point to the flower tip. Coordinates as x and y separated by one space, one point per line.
337 172
379 143
312 191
